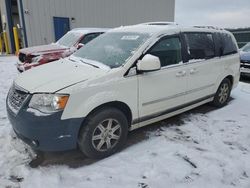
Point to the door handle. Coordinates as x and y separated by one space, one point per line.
181 73
193 71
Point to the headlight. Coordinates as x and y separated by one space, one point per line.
48 103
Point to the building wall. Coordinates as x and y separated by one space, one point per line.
38 14
3 13
4 20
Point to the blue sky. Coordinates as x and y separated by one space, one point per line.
222 13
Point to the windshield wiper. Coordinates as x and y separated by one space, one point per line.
72 59
89 64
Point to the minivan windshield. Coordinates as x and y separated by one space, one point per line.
246 48
112 48
69 39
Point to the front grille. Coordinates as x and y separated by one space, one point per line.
22 57
16 98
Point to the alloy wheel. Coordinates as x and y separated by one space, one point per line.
106 135
224 93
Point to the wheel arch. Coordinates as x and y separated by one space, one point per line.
230 78
216 100
220 80
123 107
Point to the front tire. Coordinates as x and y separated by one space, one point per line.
104 133
223 93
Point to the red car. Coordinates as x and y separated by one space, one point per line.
65 46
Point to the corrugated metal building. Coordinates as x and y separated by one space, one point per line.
43 21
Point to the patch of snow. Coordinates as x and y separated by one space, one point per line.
36 112
207 150
195 60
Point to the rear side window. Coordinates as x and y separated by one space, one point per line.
228 45
200 45
168 50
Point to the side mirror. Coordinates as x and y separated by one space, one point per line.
79 45
149 63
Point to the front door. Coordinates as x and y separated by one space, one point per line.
61 26
160 92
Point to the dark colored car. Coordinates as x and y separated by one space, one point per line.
65 46
245 60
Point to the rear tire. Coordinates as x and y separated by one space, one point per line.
223 94
103 133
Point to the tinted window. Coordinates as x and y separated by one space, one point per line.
89 37
168 50
228 45
200 45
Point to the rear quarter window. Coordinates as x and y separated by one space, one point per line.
228 46
224 44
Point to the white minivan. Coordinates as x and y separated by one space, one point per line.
127 78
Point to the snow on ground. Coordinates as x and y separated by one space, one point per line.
209 150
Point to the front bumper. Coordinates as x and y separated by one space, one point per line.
45 132
21 67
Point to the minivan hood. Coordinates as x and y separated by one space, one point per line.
43 49
57 75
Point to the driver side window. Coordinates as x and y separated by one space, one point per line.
168 50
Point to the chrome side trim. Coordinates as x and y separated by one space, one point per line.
159 118
177 95
164 99
200 88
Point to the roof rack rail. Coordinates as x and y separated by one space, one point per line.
208 27
159 23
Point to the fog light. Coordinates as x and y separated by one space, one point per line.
34 143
